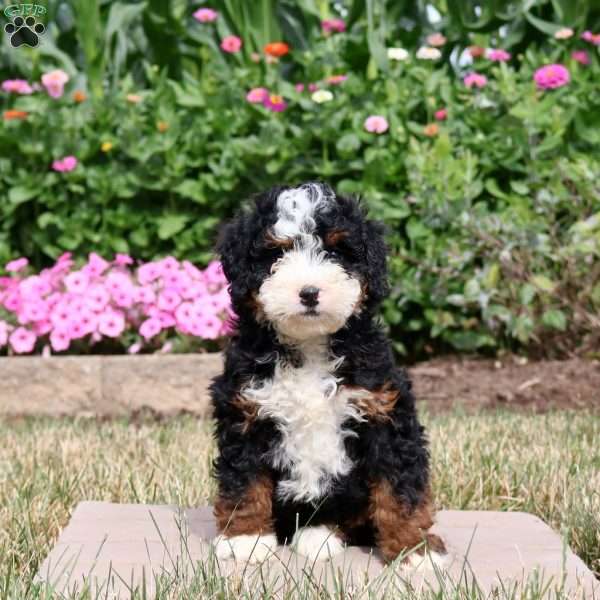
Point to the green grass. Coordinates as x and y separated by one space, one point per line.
548 465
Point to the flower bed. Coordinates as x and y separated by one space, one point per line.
111 306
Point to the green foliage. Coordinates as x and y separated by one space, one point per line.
494 220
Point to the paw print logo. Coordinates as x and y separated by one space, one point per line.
24 32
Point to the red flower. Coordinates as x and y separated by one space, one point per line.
276 49
11 115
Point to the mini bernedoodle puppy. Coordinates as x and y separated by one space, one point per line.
318 438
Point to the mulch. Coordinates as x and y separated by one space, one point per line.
511 382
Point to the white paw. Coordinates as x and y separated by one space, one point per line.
425 562
250 548
317 543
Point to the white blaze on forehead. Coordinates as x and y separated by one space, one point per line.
296 209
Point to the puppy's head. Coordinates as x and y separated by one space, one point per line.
304 260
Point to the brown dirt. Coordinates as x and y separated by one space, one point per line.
511 382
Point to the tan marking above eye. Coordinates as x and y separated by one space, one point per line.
274 242
334 236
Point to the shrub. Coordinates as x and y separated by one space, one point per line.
487 181
110 306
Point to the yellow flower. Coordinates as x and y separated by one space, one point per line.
133 98
106 146
162 126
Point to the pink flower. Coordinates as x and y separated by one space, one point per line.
54 82
436 39
59 339
148 273
209 328
3 333
376 124
275 103
134 348
168 300
441 114
22 340
33 311
111 323
257 95
313 87
97 297
122 260
593 38
168 264
231 44
475 80
333 25
214 273
299 87
117 283
551 76
149 328
193 271
64 165
336 79
77 330
498 55
205 15
144 294
77 282
14 266
581 56
96 265
123 297
17 86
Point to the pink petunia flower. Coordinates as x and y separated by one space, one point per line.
581 56
313 87
22 340
54 82
122 260
257 95
214 273
59 339
168 300
111 323
148 273
498 55
333 25
551 76
14 266
592 38
193 271
376 124
3 333
144 294
275 103
475 80
205 15
231 44
17 86
150 327
441 114
97 297
299 87
134 348
96 265
64 165
77 282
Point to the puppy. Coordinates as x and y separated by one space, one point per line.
318 439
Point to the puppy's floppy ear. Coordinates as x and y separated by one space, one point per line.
233 248
376 253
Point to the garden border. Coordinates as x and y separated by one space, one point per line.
107 386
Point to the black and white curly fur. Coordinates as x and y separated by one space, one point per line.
318 438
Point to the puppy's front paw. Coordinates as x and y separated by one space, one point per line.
250 548
317 543
425 562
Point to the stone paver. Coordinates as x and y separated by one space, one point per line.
116 546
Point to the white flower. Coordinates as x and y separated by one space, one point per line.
563 34
428 53
397 54
321 96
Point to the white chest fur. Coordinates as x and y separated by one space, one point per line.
310 413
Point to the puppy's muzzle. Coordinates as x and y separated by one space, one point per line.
309 296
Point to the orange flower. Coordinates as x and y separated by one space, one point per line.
79 96
476 51
431 130
11 115
162 126
276 49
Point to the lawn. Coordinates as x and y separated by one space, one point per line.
548 465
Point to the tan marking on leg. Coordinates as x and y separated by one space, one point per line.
398 527
252 514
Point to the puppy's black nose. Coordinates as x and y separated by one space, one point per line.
309 295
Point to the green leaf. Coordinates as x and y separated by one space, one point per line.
170 225
348 143
19 194
519 188
555 318
543 283
526 293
